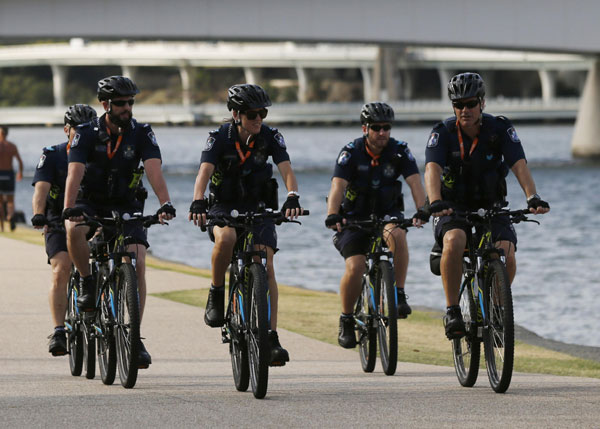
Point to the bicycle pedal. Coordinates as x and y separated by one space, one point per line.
143 366
277 364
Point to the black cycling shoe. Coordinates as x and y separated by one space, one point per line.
144 358
86 301
347 337
453 321
13 223
58 343
215 307
279 355
403 308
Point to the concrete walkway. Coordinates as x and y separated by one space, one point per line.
190 383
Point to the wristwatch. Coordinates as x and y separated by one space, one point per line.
534 196
293 193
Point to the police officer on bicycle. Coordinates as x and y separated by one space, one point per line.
234 166
467 159
365 181
104 159
48 196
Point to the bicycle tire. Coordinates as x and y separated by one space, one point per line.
237 347
466 351
387 318
105 340
367 342
74 335
89 353
259 353
499 337
127 325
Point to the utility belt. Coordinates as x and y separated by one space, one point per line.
233 191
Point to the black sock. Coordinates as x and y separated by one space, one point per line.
217 288
59 328
347 315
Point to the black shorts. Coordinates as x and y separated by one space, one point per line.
134 230
352 242
502 229
56 241
7 182
264 233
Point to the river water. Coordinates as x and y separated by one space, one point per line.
557 285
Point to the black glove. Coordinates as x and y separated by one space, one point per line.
421 215
332 219
166 208
71 212
439 206
198 207
39 220
292 202
535 202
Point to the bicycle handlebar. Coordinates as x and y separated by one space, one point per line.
241 219
375 222
480 215
116 218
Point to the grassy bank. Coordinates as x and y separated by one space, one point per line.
315 315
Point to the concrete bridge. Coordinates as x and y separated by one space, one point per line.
551 25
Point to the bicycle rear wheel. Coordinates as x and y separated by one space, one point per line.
387 318
74 334
237 347
127 332
105 340
367 341
466 350
499 337
259 353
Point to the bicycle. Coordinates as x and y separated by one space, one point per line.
486 303
376 311
247 318
115 324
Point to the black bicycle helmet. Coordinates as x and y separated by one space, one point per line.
247 97
466 85
79 114
376 112
116 86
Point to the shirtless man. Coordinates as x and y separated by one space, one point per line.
8 151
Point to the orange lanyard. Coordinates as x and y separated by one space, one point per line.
374 158
110 153
243 157
462 146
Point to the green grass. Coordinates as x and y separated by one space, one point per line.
421 337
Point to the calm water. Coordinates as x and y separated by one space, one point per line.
556 289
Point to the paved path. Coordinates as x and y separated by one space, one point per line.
190 384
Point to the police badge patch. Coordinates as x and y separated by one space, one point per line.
279 139
128 153
209 143
433 140
42 160
388 170
75 141
343 158
152 138
513 135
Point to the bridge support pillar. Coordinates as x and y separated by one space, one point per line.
59 83
302 85
367 84
586 141
445 76
252 75
548 82
130 72
187 84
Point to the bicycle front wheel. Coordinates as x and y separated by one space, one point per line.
367 341
387 318
74 334
89 351
105 340
499 337
466 350
259 353
237 347
127 327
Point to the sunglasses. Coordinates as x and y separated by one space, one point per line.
462 104
378 128
121 103
253 114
